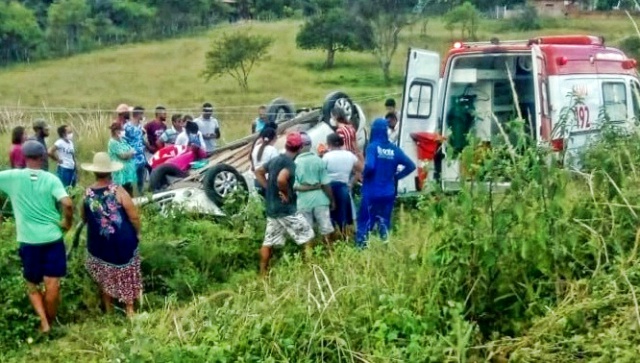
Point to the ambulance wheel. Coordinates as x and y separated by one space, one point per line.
279 110
221 181
158 180
337 99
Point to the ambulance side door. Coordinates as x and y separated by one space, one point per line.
420 101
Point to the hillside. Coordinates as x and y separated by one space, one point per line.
546 272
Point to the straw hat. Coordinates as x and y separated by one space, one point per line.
123 107
102 164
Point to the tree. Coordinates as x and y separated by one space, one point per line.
332 31
235 54
467 16
19 32
386 19
70 26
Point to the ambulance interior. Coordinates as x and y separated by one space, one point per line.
486 90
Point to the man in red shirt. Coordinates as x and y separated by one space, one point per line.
155 129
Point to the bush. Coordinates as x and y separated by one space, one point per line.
631 46
528 19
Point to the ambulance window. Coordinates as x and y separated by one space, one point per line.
419 104
614 95
635 97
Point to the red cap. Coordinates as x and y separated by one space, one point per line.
294 140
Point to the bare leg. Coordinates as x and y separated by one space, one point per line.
265 256
108 302
130 310
37 300
51 297
328 242
308 251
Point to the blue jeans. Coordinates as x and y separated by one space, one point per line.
67 176
374 210
141 173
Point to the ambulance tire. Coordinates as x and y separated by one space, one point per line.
339 99
280 110
222 180
158 179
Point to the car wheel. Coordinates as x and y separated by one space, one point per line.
222 181
280 110
337 99
158 180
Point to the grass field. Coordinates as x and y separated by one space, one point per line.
546 272
168 73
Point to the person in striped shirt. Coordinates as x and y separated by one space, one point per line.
348 133
346 130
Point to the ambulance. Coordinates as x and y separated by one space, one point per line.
564 88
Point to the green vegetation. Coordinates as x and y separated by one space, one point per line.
235 55
544 271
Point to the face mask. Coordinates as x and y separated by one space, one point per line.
70 136
121 133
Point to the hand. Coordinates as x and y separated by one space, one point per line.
283 197
65 225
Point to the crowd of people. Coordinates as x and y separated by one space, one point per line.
306 191
302 191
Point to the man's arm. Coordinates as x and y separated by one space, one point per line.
409 166
261 176
283 184
53 154
67 213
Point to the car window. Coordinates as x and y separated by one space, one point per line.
614 95
635 99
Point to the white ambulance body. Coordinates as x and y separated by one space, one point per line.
542 79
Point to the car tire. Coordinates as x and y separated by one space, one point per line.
220 181
158 179
280 110
341 100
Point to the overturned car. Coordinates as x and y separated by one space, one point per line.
207 186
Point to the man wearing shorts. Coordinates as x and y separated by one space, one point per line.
280 199
34 194
315 198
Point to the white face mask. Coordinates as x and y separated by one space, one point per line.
121 133
70 136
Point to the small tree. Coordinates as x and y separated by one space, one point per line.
235 54
467 16
332 31
386 18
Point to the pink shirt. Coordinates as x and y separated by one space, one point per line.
16 159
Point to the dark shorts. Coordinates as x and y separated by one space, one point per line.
42 260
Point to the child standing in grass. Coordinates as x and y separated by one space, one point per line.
280 199
64 153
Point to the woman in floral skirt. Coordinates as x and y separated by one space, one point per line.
113 225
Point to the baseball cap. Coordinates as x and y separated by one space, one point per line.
32 148
40 124
306 139
294 140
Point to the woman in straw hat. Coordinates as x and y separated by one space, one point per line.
113 225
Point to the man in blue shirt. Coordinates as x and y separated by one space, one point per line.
260 122
380 176
134 135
